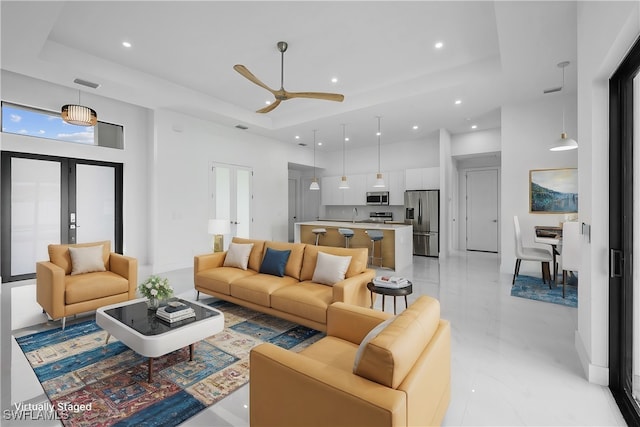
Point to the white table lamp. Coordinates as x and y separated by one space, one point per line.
219 227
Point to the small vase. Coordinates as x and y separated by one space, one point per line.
153 303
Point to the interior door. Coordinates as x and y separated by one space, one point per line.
293 206
231 196
482 210
43 199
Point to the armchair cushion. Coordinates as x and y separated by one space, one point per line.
86 260
60 255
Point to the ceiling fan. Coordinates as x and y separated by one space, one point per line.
281 94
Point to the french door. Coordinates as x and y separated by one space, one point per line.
231 197
624 236
47 199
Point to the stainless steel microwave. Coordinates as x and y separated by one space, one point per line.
378 198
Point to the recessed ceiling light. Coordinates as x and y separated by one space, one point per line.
458 102
319 143
474 127
297 136
415 127
439 45
347 139
126 44
378 133
334 80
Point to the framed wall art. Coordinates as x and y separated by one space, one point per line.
553 190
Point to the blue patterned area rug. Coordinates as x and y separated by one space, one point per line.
533 288
93 384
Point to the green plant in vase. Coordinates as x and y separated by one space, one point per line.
155 288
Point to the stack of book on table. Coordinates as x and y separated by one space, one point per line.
175 311
393 282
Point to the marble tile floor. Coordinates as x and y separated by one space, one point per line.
513 360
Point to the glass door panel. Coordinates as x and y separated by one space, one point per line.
95 203
635 344
35 212
243 202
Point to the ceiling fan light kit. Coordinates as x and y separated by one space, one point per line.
282 94
564 143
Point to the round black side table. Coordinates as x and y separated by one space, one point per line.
394 292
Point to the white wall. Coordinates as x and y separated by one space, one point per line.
606 30
474 143
527 131
181 183
23 90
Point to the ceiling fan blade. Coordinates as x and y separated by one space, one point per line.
316 95
249 76
269 107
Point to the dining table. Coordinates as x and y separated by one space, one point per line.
552 236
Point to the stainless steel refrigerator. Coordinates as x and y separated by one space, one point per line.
422 210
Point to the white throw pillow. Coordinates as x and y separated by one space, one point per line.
238 255
86 260
370 336
330 269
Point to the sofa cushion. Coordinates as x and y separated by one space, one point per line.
255 259
330 269
389 356
258 288
334 352
358 259
238 255
274 262
60 256
86 260
91 286
218 279
294 263
305 299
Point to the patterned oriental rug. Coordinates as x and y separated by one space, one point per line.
533 288
75 368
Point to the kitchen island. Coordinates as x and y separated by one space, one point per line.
397 243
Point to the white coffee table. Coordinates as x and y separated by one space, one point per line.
137 327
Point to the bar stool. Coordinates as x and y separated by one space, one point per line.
318 232
375 236
347 233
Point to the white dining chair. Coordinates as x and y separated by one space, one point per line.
530 254
570 255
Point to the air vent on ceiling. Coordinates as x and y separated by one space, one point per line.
87 83
302 144
243 127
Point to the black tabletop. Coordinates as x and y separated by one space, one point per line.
139 318
397 292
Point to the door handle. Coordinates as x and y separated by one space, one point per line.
616 263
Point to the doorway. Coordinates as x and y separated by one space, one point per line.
482 210
231 197
50 200
624 235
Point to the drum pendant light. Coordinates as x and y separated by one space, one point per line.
379 179
314 182
79 115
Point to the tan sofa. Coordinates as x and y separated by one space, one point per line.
62 294
294 296
402 379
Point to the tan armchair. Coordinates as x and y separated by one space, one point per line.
402 377
61 293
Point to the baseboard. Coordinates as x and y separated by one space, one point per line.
595 374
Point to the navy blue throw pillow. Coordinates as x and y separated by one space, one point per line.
274 262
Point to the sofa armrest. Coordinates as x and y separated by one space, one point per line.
352 323
289 389
354 289
126 267
50 288
208 261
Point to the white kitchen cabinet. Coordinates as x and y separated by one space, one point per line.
330 194
355 195
395 181
422 179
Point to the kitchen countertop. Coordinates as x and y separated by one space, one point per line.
349 224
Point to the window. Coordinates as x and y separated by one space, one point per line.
20 120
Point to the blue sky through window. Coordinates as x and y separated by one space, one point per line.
41 124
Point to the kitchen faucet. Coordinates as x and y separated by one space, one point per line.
355 214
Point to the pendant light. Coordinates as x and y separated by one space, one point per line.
79 115
314 182
379 180
344 185
564 143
